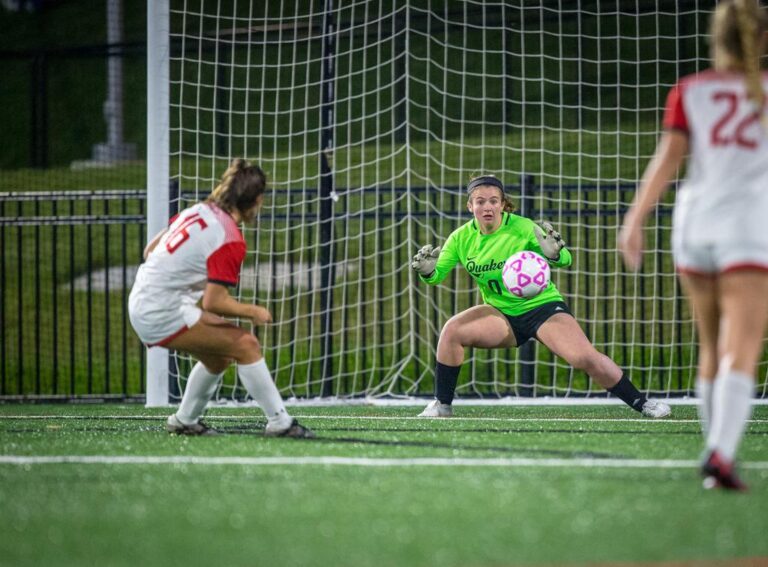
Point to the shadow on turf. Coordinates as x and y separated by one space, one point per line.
259 427
454 446
695 431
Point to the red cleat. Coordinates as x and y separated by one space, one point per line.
718 473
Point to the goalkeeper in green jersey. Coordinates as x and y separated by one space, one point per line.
482 245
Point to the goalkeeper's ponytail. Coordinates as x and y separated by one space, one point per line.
509 204
240 187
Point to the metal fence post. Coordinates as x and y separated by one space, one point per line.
327 194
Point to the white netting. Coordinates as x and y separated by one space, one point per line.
561 100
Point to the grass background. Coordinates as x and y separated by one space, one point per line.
124 514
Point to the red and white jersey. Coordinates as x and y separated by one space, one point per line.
203 244
724 196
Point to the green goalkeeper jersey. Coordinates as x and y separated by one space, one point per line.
484 255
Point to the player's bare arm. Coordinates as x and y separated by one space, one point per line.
672 150
218 300
153 243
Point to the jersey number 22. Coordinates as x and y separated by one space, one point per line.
721 138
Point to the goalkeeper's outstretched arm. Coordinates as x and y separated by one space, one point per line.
425 260
434 263
549 242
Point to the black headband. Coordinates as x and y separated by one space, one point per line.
485 180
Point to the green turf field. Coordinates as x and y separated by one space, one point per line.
509 485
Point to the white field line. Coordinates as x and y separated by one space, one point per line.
491 402
358 462
258 416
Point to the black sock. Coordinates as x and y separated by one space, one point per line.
445 382
627 393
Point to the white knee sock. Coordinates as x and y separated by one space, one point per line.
200 387
731 407
259 384
704 394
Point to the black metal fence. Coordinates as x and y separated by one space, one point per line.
69 259
67 265
364 347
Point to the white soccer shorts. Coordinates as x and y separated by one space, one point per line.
158 320
712 258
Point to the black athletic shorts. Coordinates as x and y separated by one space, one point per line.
525 326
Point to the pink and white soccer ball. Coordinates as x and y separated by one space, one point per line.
525 274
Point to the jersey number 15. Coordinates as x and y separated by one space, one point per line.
180 234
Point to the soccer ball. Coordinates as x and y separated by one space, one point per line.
525 274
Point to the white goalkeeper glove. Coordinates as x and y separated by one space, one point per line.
549 239
425 259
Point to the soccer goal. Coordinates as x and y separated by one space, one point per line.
370 117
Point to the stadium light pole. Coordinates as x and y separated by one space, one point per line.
115 149
158 165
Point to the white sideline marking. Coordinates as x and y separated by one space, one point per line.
213 417
358 462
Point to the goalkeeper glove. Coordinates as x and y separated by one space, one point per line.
425 259
549 239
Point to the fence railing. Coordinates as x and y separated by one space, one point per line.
68 260
638 320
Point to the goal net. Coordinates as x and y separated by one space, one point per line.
370 117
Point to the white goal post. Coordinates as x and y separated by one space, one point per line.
158 169
369 118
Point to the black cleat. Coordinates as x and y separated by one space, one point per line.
175 427
719 474
294 430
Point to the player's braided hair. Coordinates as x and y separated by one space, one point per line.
736 29
239 188
477 181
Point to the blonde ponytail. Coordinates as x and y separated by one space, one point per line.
748 18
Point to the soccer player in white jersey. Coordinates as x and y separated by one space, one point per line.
719 242
482 245
180 297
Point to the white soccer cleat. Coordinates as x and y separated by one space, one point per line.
437 409
656 410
